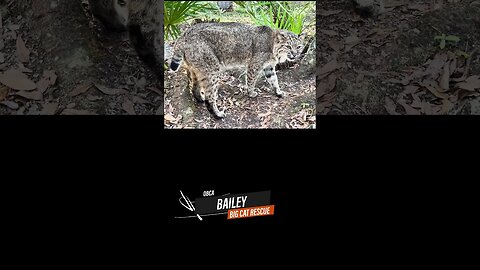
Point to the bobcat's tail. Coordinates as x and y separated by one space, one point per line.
176 61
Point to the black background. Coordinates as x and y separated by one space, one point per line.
108 187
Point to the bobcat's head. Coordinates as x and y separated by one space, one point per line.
288 46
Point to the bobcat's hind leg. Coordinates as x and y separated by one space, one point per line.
207 70
211 86
197 91
252 75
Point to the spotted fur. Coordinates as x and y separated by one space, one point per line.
206 50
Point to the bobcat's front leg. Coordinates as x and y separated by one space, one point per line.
251 79
254 69
272 79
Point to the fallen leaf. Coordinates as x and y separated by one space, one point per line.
14 27
353 39
170 118
34 95
127 106
351 42
465 93
426 108
23 69
326 85
432 86
10 104
17 80
416 103
43 84
80 89
445 79
139 100
110 91
436 65
390 106
22 52
470 84
51 76
409 110
453 65
446 106
3 92
329 33
77 112
335 45
329 67
418 7
93 98
2 57
261 115
156 90
49 109
410 89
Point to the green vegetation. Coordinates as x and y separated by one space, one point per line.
297 17
178 12
444 39
280 15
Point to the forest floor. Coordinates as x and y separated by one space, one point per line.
394 65
104 77
296 109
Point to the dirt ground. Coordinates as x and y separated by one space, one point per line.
295 110
69 64
393 64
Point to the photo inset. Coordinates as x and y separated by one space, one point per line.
240 64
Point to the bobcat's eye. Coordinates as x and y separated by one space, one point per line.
122 2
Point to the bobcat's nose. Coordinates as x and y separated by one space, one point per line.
291 56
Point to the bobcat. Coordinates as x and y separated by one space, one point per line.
369 7
207 49
142 20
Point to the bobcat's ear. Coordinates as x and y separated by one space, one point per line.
302 36
281 36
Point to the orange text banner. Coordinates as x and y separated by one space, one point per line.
257 211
